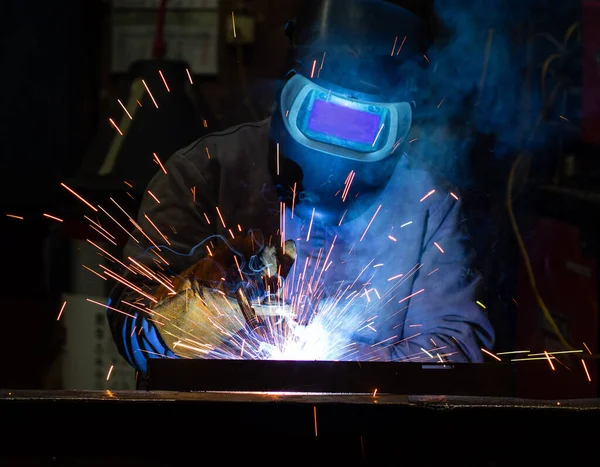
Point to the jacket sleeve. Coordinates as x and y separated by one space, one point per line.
443 304
167 238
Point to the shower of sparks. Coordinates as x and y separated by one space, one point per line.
125 109
94 272
62 308
589 378
491 354
189 75
109 372
480 304
233 25
112 122
438 247
164 80
370 222
157 160
427 195
54 218
78 197
150 94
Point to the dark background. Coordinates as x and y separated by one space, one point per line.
57 93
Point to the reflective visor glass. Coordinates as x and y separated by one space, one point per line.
346 123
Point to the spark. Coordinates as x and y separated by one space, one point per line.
194 194
412 295
207 219
586 370
128 184
401 45
427 195
153 196
438 246
277 158
480 304
91 270
164 80
78 196
104 305
204 123
425 57
378 133
116 222
109 255
394 47
587 348
150 94
413 140
139 103
395 277
157 160
103 235
62 308
151 275
514 352
157 229
555 353
372 219
189 75
238 267
454 196
322 63
375 392
342 219
348 183
15 216
125 109
378 265
53 217
310 225
549 361
233 25
441 102
293 199
435 270
312 73
221 217
112 122
392 238
491 354
426 352
564 118
242 349
315 418
109 372
405 224
207 152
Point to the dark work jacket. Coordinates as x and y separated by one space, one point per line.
406 261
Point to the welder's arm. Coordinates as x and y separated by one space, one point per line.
179 217
451 323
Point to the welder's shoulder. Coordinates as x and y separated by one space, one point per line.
227 145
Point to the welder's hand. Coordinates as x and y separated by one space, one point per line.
198 312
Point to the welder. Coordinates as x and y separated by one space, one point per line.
357 211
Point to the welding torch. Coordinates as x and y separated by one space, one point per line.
254 322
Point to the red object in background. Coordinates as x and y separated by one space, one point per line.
566 280
590 102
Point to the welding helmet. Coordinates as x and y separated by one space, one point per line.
345 106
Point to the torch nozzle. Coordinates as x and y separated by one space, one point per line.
250 316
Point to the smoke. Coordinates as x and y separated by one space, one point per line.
486 80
